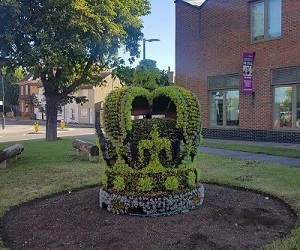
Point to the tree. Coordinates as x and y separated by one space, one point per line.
145 74
125 74
68 42
11 89
164 79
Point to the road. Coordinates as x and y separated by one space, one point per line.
21 131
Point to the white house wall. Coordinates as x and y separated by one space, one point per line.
85 113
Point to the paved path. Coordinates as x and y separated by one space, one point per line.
88 132
293 162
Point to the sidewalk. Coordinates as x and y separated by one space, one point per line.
26 121
293 162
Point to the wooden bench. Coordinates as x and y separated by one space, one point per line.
10 153
86 147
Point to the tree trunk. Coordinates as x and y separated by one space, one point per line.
11 152
87 147
51 122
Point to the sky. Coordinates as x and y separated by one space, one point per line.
160 24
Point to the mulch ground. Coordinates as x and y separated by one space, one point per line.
228 219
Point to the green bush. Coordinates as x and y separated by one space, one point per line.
191 179
132 179
151 154
141 130
145 184
172 183
119 183
104 180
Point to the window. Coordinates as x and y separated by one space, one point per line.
224 108
26 89
84 113
224 100
22 90
287 107
286 82
266 20
73 115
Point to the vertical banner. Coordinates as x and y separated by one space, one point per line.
247 72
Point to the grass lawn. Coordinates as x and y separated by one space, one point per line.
294 153
46 168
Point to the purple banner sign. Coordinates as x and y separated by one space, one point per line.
247 72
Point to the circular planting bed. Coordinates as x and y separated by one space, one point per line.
228 219
152 205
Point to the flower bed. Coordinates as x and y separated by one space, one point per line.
151 139
160 205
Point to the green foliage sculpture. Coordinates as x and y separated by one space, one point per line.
151 139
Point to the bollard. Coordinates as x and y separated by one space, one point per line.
36 127
62 124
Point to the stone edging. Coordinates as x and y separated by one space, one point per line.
151 206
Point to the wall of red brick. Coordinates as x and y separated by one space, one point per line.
210 42
24 100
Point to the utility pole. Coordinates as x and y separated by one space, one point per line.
3 103
144 45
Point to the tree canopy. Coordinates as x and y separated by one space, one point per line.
10 87
145 74
66 43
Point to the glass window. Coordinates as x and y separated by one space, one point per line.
224 108
258 21
283 107
216 108
298 108
274 18
266 19
287 107
232 108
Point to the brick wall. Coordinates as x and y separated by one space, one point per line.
210 42
252 135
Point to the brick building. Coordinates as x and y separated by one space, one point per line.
28 90
242 59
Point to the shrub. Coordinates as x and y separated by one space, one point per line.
145 184
172 183
151 156
119 183
191 179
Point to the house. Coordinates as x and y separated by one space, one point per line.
242 60
28 90
86 113
32 101
170 74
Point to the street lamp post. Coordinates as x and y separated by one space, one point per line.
3 115
144 45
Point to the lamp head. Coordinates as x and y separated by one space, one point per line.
152 40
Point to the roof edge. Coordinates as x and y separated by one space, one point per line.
192 5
